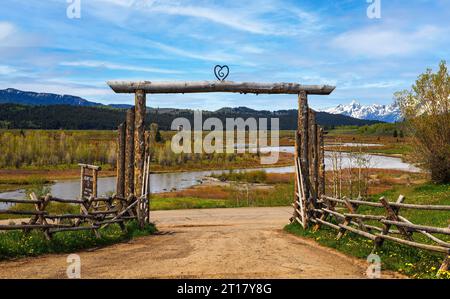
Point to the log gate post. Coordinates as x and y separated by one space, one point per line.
129 154
121 138
304 141
139 141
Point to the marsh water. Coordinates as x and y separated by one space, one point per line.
164 182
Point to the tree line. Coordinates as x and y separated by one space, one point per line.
55 117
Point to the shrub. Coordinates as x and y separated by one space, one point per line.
426 109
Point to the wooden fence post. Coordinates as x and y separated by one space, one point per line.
121 141
94 182
321 162
129 154
83 171
139 141
303 127
313 156
297 192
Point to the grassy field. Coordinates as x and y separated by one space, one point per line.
413 262
257 188
239 191
14 244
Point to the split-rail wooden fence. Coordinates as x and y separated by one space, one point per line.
95 213
312 207
131 200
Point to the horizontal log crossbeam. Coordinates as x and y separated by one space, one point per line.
218 86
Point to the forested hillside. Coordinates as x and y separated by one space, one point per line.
14 116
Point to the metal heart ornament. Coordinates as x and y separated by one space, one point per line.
221 72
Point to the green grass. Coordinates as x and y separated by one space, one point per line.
14 184
394 149
280 195
258 176
413 262
14 244
381 129
177 203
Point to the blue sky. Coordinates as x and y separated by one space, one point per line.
309 42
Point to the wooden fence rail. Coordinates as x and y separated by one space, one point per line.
95 213
331 212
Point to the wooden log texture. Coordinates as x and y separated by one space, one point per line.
393 204
416 227
121 141
392 214
415 244
359 232
430 236
82 172
70 216
129 153
25 201
321 162
218 86
32 226
314 172
303 127
297 191
139 141
89 166
12 212
62 200
94 182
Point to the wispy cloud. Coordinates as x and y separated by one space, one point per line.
114 66
207 56
7 70
381 42
249 16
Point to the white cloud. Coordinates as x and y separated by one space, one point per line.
214 56
376 41
6 30
268 18
114 66
7 70
372 85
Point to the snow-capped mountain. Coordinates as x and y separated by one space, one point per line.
386 113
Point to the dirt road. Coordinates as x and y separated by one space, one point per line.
210 243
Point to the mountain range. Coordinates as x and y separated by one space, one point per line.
16 96
385 113
31 110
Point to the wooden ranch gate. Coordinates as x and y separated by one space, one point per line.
311 205
310 178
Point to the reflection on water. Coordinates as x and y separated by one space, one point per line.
163 182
